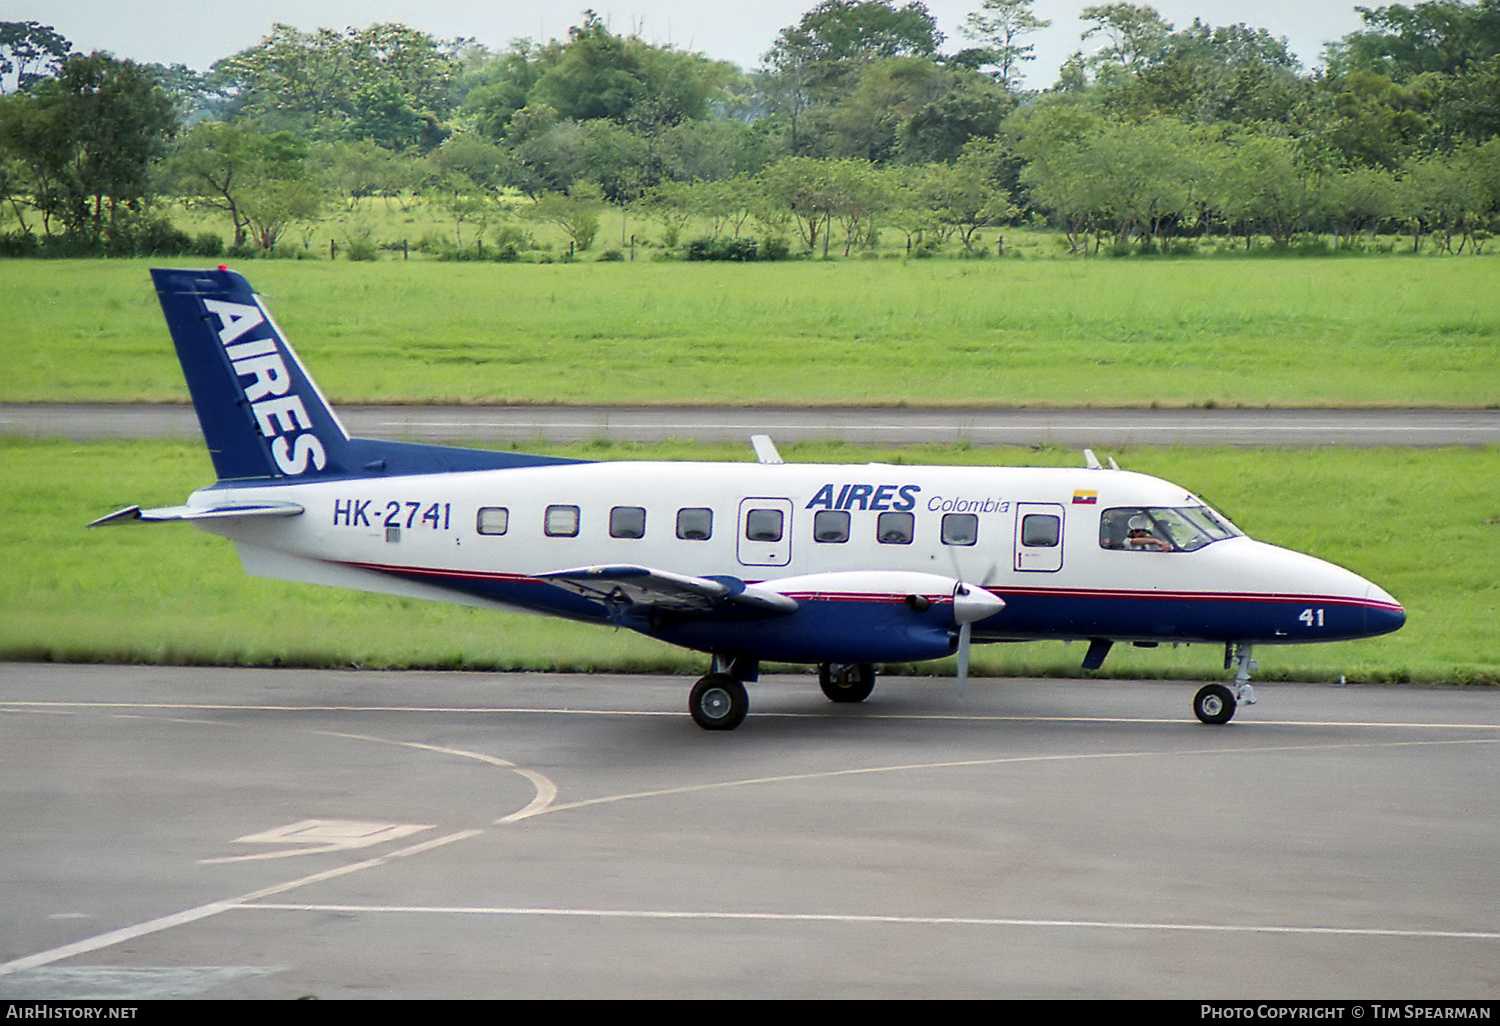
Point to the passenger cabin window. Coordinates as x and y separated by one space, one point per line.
492 520
763 525
895 528
1041 530
695 524
561 522
1161 529
627 522
960 528
831 526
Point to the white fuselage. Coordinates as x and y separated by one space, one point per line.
421 536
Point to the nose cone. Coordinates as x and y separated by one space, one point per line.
1383 614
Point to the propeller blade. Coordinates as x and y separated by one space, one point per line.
964 632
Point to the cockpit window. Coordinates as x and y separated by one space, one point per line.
1161 529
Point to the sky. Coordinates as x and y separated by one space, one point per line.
203 31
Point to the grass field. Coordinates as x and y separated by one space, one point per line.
1335 331
1423 524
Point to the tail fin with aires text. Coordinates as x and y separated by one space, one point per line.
262 415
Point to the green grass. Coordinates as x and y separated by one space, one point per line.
1424 524
1370 331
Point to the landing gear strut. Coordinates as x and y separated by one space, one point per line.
1215 703
846 682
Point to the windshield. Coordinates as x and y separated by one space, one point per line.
1162 529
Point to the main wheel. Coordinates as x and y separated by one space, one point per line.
1214 703
718 702
846 682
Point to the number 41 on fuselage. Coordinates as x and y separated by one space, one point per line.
842 567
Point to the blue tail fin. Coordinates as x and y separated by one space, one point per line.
261 413
262 416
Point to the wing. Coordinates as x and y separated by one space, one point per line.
622 586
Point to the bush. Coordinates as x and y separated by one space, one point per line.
611 256
207 244
361 248
509 242
740 250
137 235
19 244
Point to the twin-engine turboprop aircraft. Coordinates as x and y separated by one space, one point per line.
839 566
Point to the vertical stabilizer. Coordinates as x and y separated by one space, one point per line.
262 415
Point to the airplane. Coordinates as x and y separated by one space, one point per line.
842 567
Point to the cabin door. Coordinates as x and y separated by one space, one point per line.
1039 536
765 532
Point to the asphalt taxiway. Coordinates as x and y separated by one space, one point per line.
283 833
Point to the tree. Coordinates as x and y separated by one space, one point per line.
1232 73
802 187
465 202
261 180
89 140
576 212
965 196
1401 42
1359 199
1261 181
838 36
1135 33
1448 194
29 51
388 82
1000 25
602 75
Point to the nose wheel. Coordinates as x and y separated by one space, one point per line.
1214 704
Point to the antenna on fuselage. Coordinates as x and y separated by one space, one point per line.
765 449
1092 462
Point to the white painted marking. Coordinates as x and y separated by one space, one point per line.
213 908
317 836
809 917
343 833
546 790
788 778
674 713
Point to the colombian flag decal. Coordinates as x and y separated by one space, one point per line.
1082 498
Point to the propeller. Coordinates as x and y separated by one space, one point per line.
970 603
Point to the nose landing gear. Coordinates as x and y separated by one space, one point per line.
1215 703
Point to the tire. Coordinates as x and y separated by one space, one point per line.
1214 704
718 702
846 682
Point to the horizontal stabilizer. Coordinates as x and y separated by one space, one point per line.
163 514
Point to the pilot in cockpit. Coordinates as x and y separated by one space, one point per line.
1140 536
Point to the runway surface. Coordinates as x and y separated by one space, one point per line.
276 833
888 426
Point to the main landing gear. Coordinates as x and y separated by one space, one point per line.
718 701
846 682
1215 703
